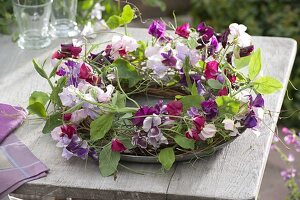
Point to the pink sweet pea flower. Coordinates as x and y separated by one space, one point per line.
174 108
192 134
211 70
199 122
223 92
183 30
117 146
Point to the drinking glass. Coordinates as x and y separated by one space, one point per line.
33 18
63 18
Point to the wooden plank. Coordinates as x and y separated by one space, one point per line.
233 173
236 171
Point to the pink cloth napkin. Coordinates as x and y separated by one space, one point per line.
17 164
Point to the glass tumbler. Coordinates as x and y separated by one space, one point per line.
33 17
63 18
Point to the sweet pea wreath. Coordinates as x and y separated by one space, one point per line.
208 89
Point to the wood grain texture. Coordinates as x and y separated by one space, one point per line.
233 173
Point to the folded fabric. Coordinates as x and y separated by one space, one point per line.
17 164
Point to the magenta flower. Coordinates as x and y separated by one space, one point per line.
174 108
70 50
211 70
206 33
67 116
210 108
192 134
288 173
199 123
286 131
169 59
289 139
68 130
85 71
117 146
157 29
183 30
223 92
142 113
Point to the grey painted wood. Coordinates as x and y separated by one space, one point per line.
233 173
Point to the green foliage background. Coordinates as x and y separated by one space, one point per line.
262 17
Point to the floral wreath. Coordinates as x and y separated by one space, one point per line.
207 85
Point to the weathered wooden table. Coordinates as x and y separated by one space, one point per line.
232 173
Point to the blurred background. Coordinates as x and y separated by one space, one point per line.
262 17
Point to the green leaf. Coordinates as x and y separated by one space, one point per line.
214 84
190 101
39 70
227 105
74 108
38 109
184 142
55 68
242 62
58 89
255 64
114 22
101 126
126 71
126 141
267 85
52 122
108 161
40 97
166 157
119 100
127 14
194 90
87 4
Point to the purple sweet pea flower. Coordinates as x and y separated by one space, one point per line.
205 33
246 51
258 101
139 140
140 115
193 112
77 148
250 120
169 59
297 145
288 173
157 29
210 108
183 30
93 154
223 38
286 131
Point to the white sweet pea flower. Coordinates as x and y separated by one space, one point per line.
228 124
152 50
105 96
208 131
154 63
78 115
183 51
68 96
238 31
97 11
151 121
122 44
243 96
